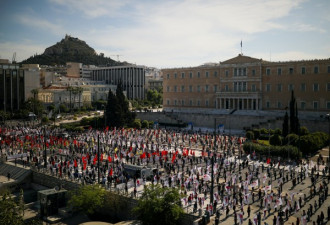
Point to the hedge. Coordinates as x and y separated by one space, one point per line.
276 151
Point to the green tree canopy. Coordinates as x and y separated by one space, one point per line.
159 206
9 213
88 199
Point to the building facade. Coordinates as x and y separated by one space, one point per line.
16 85
132 79
246 83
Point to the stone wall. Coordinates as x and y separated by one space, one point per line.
234 122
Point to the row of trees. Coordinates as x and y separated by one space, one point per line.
157 205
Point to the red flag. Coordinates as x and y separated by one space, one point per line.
109 159
110 173
75 142
173 158
94 161
268 161
85 164
75 163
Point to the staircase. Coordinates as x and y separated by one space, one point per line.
18 175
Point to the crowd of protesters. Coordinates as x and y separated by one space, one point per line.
187 160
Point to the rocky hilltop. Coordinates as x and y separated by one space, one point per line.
71 49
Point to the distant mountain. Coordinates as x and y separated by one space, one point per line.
71 49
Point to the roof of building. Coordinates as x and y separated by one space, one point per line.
242 59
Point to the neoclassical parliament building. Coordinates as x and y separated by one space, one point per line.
246 83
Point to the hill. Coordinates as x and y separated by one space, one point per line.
71 49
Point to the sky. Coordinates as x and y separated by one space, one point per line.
170 33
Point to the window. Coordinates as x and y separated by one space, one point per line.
290 87
168 89
190 75
215 88
315 105
268 71
175 88
244 86
291 70
328 69
182 88
227 73
253 87
253 72
206 102
198 88
316 69
215 73
190 102
303 87
168 102
279 71
279 87
303 105
206 88
303 70
268 86
235 86
244 71
168 76
182 75
175 102
175 75
182 102
198 102
267 104
207 74
226 87
198 74
279 105
315 87
190 88
328 105
235 72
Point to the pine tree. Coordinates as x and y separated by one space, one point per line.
294 121
111 111
285 128
117 111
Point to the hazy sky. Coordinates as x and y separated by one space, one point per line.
175 33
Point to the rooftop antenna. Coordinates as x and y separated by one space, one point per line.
241 47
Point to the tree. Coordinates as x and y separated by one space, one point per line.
275 139
285 128
35 95
294 121
33 105
117 110
111 114
8 210
159 205
88 199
